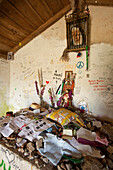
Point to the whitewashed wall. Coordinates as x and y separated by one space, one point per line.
4 86
93 87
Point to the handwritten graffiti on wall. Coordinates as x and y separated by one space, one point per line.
79 65
80 72
98 85
11 159
57 76
67 65
4 165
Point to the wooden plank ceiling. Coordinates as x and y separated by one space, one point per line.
22 20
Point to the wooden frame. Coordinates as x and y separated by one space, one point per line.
77 28
67 74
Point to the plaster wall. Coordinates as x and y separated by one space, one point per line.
10 160
93 88
4 86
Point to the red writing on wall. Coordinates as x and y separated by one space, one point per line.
98 85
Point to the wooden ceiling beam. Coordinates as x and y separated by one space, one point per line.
40 9
3 52
43 27
31 7
4 47
47 7
100 2
26 10
12 25
16 9
1 1
12 36
60 3
7 41
65 2
3 56
9 10
40 18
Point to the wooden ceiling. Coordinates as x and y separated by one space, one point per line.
22 20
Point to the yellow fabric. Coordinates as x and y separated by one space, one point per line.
63 116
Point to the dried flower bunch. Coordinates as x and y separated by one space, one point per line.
51 97
40 88
65 56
